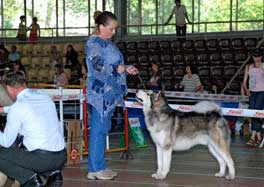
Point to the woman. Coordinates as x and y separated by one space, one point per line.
71 57
255 73
106 87
191 81
155 79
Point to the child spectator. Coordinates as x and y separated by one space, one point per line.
22 29
34 31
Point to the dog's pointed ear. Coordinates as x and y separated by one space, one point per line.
159 94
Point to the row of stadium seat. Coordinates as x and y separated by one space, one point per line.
43 49
215 58
200 45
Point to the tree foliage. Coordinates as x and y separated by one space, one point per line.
76 12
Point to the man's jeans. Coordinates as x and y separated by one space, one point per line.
256 101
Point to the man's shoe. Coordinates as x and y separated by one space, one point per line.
111 172
55 180
33 181
3 179
102 175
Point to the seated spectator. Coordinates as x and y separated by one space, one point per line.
3 54
214 89
55 57
155 79
203 90
191 81
71 57
60 78
13 55
18 66
75 75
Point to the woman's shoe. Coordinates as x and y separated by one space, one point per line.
102 175
111 172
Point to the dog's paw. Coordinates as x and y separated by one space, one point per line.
230 177
219 174
158 176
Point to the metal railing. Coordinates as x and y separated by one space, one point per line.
138 30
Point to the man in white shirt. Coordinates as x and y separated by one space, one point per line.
180 13
13 55
33 116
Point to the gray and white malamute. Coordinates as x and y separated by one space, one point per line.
174 130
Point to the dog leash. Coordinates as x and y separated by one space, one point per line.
141 81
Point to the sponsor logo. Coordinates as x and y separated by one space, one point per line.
234 112
74 154
57 97
259 114
185 108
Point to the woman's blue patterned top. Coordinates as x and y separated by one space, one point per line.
105 86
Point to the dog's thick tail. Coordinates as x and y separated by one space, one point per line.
205 107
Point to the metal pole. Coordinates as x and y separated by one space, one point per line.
61 110
85 122
81 115
57 19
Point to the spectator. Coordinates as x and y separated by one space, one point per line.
60 78
13 55
105 89
180 13
255 90
3 54
55 57
22 29
71 57
191 81
214 89
155 79
18 66
75 75
34 31
33 116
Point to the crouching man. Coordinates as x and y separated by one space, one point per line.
33 116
